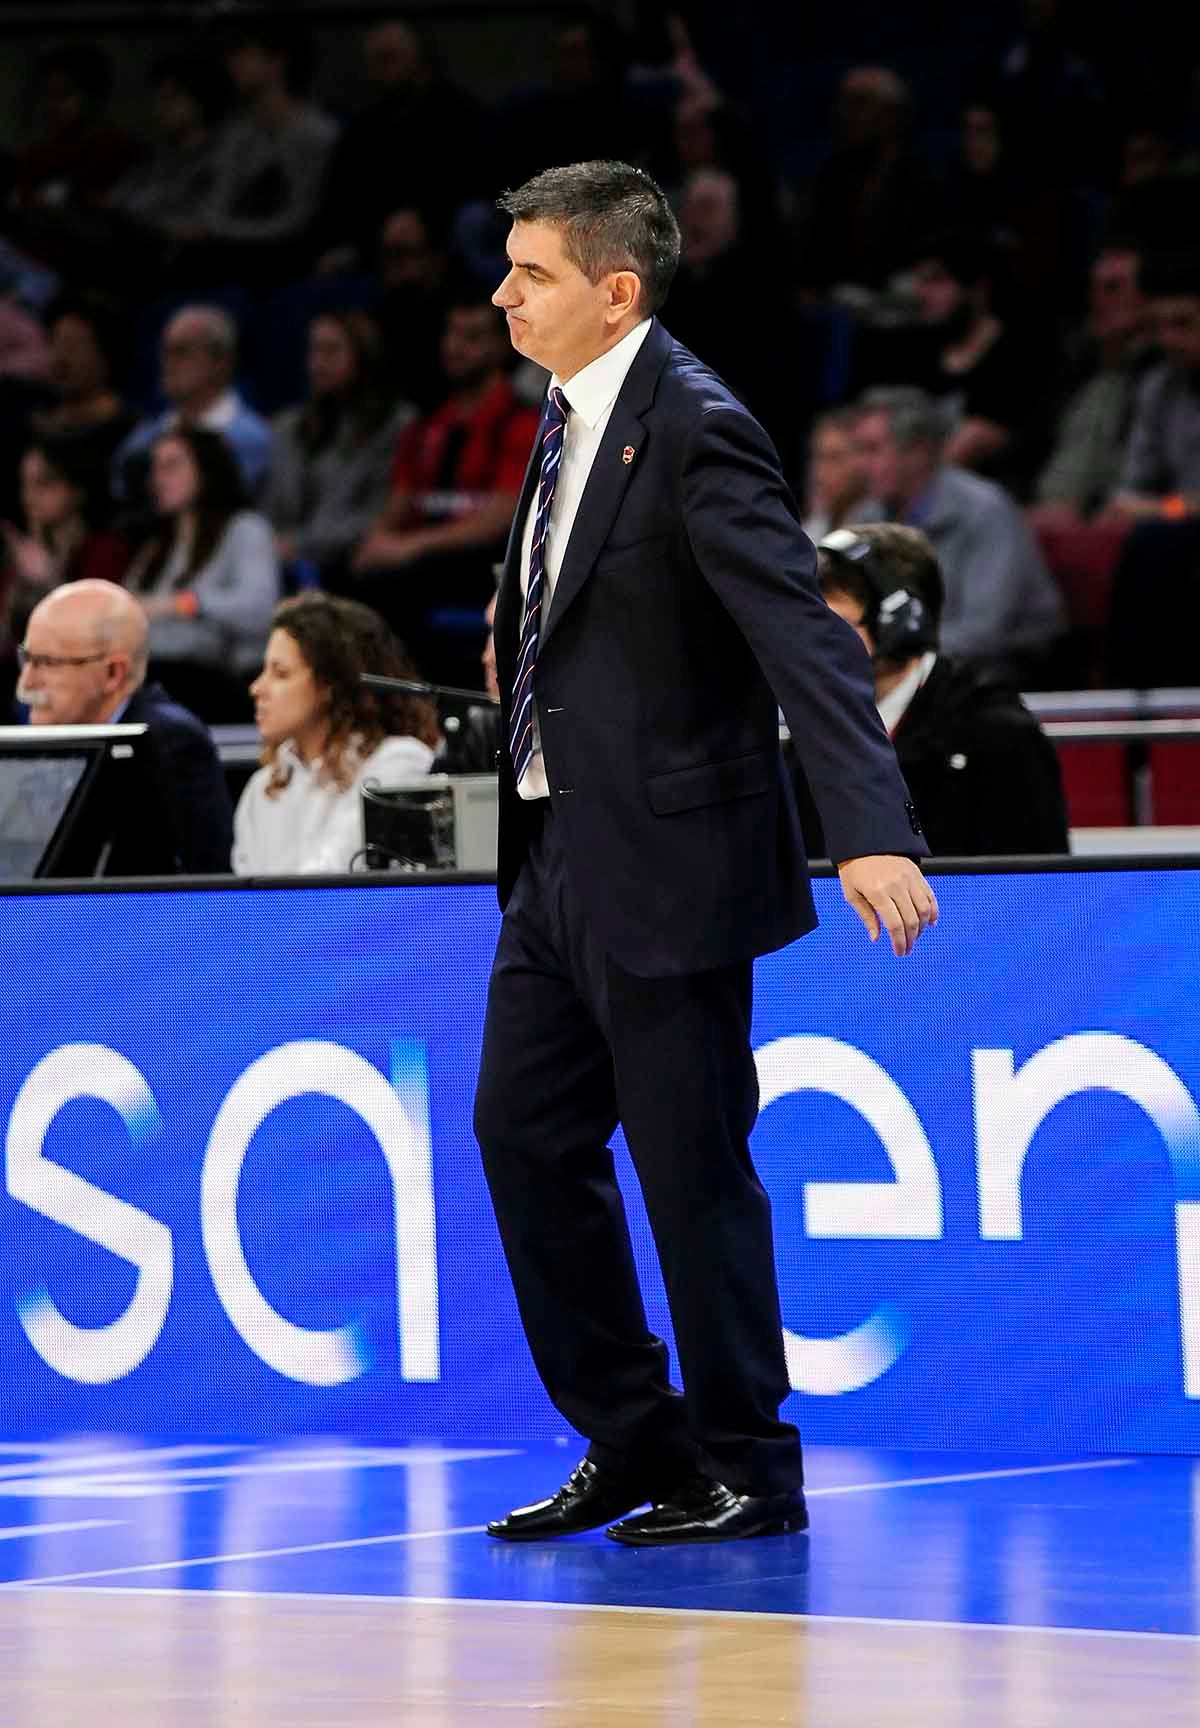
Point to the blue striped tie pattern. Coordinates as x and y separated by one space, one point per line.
520 736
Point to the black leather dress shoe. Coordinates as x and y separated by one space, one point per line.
706 1511
588 1498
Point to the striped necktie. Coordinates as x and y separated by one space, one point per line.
520 736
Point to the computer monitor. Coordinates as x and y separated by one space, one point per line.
82 801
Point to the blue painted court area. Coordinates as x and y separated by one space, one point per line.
1094 1543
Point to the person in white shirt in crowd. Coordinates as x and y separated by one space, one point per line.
199 358
209 578
325 733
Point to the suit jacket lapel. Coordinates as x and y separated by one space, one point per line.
610 474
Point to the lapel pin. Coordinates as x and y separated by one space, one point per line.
628 454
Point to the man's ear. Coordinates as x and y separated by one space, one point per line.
625 287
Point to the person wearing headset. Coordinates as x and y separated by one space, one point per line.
982 773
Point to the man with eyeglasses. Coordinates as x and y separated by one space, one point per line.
83 663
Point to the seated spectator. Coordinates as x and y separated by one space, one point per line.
1155 608
982 773
709 131
1002 607
189 96
209 579
325 733
455 483
979 190
199 359
413 266
64 538
330 458
420 140
728 306
873 192
86 354
1161 474
271 162
986 380
1093 428
79 154
83 663
588 101
836 486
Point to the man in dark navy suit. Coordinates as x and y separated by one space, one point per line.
658 600
83 663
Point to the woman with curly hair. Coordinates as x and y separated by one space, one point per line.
324 733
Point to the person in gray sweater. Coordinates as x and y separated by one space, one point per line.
331 455
209 580
1003 608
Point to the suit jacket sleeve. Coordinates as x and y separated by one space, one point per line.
746 537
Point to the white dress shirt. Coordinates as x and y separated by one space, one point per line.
309 826
591 394
895 705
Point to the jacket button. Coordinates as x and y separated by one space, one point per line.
914 821
562 790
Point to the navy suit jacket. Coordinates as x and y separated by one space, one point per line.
686 612
194 792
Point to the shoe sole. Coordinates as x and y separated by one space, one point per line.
790 1526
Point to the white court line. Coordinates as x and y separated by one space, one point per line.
808 1620
970 1476
476 1529
15 1531
260 1554
61 1462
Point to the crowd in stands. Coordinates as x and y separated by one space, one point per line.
248 350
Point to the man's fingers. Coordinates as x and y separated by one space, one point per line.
897 899
865 911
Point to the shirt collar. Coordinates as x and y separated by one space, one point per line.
594 387
219 418
894 706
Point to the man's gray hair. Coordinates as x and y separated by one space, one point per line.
914 417
219 328
612 217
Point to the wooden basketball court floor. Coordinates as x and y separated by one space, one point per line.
331 1585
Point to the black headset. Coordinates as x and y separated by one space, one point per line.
899 622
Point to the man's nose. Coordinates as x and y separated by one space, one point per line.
505 295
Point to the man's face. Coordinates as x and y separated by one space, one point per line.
939 295
556 317
1118 308
191 370
77 367
708 216
1177 326
878 457
406 259
65 680
472 345
392 56
851 610
251 69
834 473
